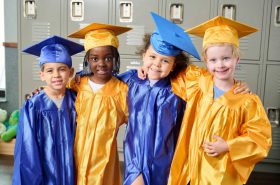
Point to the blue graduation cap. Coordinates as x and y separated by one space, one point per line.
170 39
55 49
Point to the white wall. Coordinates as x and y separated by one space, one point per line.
2 51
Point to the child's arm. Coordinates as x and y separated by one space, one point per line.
254 140
27 165
186 83
126 76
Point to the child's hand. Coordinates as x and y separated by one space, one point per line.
242 88
77 78
215 148
142 72
36 91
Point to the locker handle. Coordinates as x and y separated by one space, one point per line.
273 114
277 15
77 10
29 7
126 11
176 12
229 11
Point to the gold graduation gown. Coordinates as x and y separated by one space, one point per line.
99 115
239 119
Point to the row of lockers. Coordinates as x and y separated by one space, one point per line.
259 67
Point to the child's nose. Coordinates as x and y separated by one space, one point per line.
56 73
157 63
220 63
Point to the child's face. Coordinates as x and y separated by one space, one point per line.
158 66
221 62
101 64
56 75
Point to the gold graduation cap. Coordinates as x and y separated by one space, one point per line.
97 34
221 30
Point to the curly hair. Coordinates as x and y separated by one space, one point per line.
182 60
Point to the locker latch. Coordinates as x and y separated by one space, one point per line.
77 10
277 16
229 11
273 115
29 8
176 13
126 11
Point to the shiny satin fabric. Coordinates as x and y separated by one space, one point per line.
44 142
239 119
99 116
155 116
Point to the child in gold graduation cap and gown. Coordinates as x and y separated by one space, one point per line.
101 107
222 135
45 136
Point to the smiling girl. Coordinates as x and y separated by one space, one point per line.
101 107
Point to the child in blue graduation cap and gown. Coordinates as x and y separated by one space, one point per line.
155 113
45 136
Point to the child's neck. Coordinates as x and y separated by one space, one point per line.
224 85
99 81
55 94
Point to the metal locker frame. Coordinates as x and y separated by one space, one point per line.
41 24
249 45
274 32
190 17
139 19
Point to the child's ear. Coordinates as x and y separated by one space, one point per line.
238 60
71 72
143 55
42 76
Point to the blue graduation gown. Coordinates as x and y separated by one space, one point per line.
44 142
155 116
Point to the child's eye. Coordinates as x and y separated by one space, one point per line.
94 59
212 60
109 59
49 71
165 61
226 58
152 57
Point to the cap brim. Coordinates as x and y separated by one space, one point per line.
72 47
242 29
174 35
96 26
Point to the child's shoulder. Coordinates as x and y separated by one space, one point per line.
35 100
117 82
245 100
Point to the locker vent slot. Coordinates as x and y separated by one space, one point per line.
135 36
275 138
35 70
40 31
239 73
244 44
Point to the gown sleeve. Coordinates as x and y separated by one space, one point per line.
27 166
186 83
254 139
126 76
